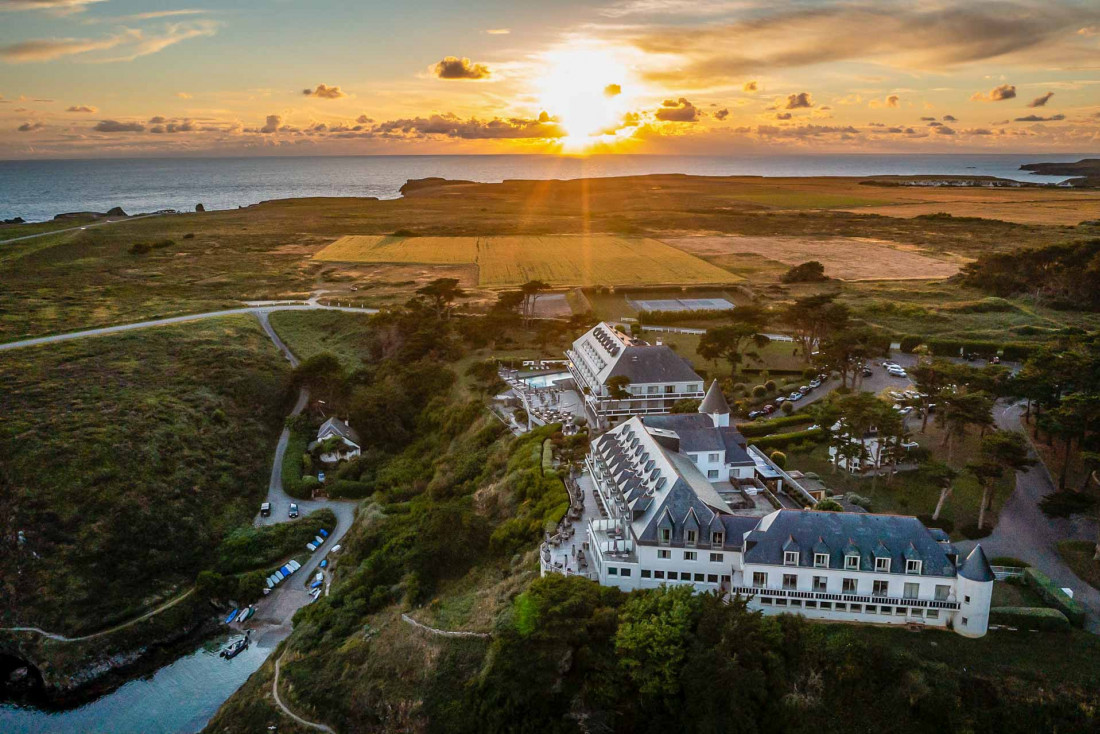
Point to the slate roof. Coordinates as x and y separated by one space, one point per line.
335 426
894 536
715 401
976 567
697 433
653 363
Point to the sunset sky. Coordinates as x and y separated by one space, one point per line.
119 78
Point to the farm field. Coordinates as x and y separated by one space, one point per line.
1027 207
556 259
844 258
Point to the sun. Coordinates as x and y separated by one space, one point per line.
587 89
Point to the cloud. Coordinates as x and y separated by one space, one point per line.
498 31
452 126
721 114
950 118
928 119
323 91
1040 101
364 120
30 127
997 94
114 126
132 42
183 95
804 131
678 111
612 90
157 119
62 7
783 115
890 101
750 87
272 124
175 126
82 108
944 130
453 67
798 101
1038 118
48 49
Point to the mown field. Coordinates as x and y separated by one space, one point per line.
560 260
126 458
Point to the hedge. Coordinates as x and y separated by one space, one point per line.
1031 618
675 317
293 465
764 428
782 440
1053 594
547 456
910 343
349 489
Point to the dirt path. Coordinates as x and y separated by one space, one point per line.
62 638
442 633
286 709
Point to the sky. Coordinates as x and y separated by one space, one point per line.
123 78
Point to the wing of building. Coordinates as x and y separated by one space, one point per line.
682 499
655 376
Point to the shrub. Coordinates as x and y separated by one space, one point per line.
764 428
973 532
349 489
547 457
189 236
1016 352
1053 595
779 458
770 385
1029 618
782 440
140 248
829 506
910 342
787 408
1008 561
759 391
811 271
944 524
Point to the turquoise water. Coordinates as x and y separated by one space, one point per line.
545 380
38 189
180 697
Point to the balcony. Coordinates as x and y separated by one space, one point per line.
894 601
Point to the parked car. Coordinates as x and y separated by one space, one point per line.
768 409
794 397
293 510
867 372
805 389
265 509
815 384
754 414
780 400
321 477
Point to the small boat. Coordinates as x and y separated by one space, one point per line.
235 649
232 616
316 594
246 614
311 547
293 565
316 584
319 541
279 576
287 570
323 532
320 576
324 563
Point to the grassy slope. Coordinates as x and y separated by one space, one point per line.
127 457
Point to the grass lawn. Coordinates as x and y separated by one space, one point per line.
308 333
1078 555
1007 594
126 459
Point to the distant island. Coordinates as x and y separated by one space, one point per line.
1085 172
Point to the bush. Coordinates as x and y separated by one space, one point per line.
349 489
1054 596
779 458
189 236
811 271
829 506
1017 352
944 524
760 391
1042 619
787 408
910 342
973 532
1008 561
764 428
782 440
140 248
770 385
547 457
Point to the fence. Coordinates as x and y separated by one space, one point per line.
1007 572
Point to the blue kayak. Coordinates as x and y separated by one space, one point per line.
315 584
324 563
232 616
324 533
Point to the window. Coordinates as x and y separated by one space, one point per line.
881 588
652 389
851 561
716 557
658 574
790 581
965 621
811 605
670 389
917 612
841 607
912 567
942 592
796 602
612 571
712 458
759 579
712 578
717 538
666 554
646 573
821 583
695 458
855 608
933 614
790 558
882 564
689 555
870 609
699 577
821 560
850 586
911 591
966 599
766 600
826 605
712 473
624 572
673 576
666 535
690 536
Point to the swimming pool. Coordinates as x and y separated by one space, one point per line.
546 380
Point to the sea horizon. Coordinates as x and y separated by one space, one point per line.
40 189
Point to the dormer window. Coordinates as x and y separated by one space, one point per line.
851 561
821 560
690 536
666 536
717 538
790 558
882 564
913 567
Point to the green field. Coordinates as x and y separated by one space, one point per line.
559 260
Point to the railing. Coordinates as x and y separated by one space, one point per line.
846 598
1007 572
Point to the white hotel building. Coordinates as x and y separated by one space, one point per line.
666 484
658 376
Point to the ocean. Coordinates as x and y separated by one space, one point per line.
39 190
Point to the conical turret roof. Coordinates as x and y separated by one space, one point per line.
976 567
715 401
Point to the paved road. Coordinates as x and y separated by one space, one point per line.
260 311
1023 531
99 223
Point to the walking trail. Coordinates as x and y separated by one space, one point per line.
286 709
